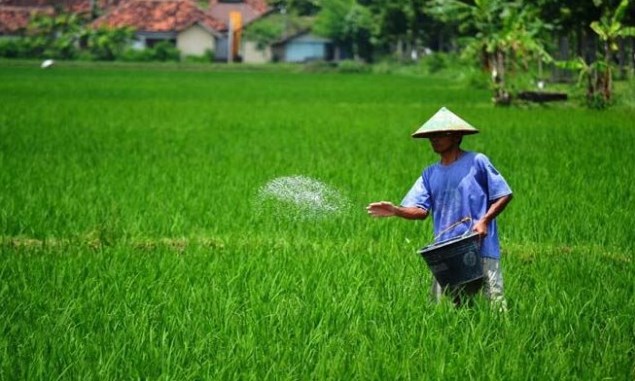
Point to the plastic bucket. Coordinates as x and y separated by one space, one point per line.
456 261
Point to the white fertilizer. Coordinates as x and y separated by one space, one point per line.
299 197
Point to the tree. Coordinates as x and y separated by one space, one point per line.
609 28
502 34
54 36
107 44
398 24
348 24
299 7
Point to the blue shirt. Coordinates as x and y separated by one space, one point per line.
465 188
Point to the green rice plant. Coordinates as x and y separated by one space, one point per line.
130 245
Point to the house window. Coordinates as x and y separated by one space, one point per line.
151 42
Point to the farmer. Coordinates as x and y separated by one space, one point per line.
462 191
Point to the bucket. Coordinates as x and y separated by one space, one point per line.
456 261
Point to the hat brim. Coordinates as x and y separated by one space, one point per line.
427 134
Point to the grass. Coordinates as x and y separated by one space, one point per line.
130 247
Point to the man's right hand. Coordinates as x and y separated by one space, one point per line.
382 209
388 209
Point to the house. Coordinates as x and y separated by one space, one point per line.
193 30
244 12
249 10
302 47
282 37
181 22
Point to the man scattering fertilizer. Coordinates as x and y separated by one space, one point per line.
462 191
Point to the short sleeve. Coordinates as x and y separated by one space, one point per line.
497 187
417 196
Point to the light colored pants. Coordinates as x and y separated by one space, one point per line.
492 286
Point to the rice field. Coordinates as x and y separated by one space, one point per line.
134 244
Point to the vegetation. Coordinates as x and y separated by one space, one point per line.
130 246
507 39
609 28
276 27
66 36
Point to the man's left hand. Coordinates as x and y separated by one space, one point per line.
480 227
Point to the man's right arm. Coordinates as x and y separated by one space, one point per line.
388 209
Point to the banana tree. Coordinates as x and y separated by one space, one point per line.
609 29
503 34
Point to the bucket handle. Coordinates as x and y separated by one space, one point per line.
459 222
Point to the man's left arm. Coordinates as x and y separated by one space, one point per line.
494 210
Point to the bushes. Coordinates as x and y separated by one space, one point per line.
63 37
435 62
165 51
353 66
208 56
107 44
98 45
10 48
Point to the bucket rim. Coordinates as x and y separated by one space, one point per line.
449 241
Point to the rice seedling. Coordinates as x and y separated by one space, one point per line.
132 246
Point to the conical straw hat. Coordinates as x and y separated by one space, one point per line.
444 121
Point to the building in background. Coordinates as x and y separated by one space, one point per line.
192 29
302 47
216 30
15 15
242 13
181 22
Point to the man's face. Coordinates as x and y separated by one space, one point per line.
444 141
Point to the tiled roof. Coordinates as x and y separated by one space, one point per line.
260 6
14 20
70 6
15 14
158 16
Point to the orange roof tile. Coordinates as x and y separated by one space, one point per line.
71 6
15 20
158 16
16 14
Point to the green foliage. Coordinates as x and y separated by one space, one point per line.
265 32
106 44
348 24
300 7
65 37
14 48
165 51
204 58
506 38
319 66
136 55
275 27
162 51
609 28
435 62
53 36
597 77
352 66
331 21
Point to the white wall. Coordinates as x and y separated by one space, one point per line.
194 41
251 54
